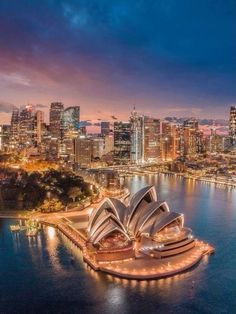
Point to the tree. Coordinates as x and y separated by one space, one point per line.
51 206
74 192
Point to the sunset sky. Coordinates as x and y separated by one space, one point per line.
168 57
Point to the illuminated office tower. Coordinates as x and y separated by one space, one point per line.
26 127
169 140
137 137
122 142
200 142
70 131
97 147
189 138
105 128
232 125
71 120
109 143
83 152
5 131
38 126
15 128
152 133
55 119
216 142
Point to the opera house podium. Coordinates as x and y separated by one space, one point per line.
143 239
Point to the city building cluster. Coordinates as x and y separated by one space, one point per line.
141 139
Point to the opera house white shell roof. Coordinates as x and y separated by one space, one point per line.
144 216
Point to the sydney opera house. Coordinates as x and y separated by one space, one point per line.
141 239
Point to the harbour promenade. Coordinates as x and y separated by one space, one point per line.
140 266
146 268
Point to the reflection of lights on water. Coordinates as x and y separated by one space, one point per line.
74 250
205 259
51 232
51 246
116 297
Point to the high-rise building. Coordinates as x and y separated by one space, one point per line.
83 152
232 125
5 131
109 143
122 142
97 147
137 137
38 126
200 141
215 142
71 120
55 119
26 130
105 128
152 132
169 140
189 138
15 128
70 131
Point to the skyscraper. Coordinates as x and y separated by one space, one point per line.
83 152
169 140
38 126
55 119
97 147
15 127
232 125
215 142
109 143
105 128
71 119
4 137
122 142
70 129
26 132
152 146
189 138
137 137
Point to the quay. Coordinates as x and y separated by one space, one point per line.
140 240
141 268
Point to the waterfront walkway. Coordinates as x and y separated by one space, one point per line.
73 225
152 268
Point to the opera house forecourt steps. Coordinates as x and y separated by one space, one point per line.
143 240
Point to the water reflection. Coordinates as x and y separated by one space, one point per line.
51 232
145 286
41 270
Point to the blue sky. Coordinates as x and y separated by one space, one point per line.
169 57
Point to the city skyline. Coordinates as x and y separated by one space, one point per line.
175 59
117 156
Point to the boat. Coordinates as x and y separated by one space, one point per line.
31 232
32 227
15 228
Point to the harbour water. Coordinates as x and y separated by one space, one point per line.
46 274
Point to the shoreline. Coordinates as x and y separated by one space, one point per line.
134 268
182 175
